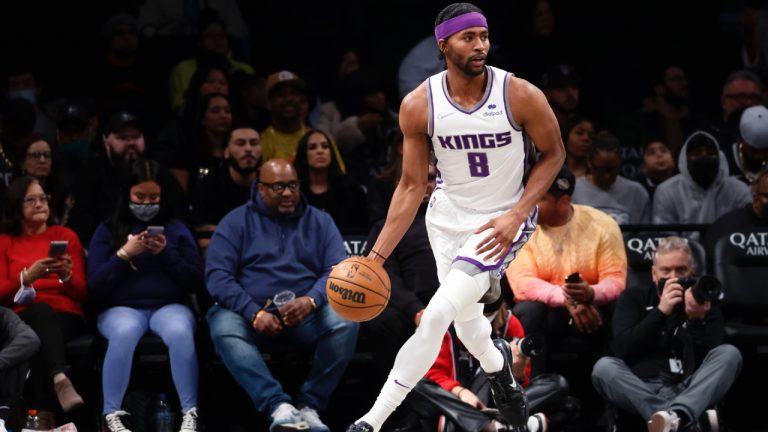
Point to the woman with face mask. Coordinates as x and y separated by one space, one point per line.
141 277
46 288
35 158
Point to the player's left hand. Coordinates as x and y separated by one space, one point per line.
503 231
294 312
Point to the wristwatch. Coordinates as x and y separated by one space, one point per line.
312 300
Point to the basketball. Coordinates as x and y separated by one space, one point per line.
358 289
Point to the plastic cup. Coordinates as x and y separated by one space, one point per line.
282 298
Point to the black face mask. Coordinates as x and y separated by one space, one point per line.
244 171
704 170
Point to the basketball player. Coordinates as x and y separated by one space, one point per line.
480 121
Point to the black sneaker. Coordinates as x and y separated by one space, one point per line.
508 395
360 426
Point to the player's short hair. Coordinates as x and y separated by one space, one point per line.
455 9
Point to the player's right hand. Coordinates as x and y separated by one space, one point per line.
671 296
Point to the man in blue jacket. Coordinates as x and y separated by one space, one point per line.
278 242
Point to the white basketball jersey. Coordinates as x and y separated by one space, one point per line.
481 152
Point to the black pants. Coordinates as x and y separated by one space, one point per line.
387 333
551 326
54 330
547 393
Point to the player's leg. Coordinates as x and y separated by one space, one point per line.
420 351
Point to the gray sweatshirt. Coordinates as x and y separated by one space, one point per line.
18 342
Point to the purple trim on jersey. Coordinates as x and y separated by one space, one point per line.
430 110
512 122
480 104
528 225
458 23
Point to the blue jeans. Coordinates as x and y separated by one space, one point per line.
237 343
124 326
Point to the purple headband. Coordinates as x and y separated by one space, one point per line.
459 23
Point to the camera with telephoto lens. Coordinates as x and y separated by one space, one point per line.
529 346
704 288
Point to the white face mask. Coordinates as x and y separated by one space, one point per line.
491 317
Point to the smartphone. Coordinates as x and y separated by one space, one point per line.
58 248
154 230
573 278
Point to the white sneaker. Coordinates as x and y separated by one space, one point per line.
664 421
313 420
287 418
537 423
189 421
709 421
113 422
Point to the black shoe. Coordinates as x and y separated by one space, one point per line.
508 395
360 427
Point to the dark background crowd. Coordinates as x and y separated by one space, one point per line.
644 93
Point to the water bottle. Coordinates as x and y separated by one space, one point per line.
32 423
163 415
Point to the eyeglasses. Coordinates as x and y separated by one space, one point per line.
39 155
32 201
278 187
745 97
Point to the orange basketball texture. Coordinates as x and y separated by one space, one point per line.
358 289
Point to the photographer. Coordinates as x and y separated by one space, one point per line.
670 363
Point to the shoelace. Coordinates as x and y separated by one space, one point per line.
189 421
113 421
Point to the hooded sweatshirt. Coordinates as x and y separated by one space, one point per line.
255 254
680 200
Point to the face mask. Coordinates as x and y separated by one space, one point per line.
23 94
75 150
144 212
704 170
240 170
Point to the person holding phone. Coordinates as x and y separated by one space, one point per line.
571 268
46 291
142 265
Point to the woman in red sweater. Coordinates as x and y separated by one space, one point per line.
46 292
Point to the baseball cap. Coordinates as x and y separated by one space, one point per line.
121 119
754 127
559 75
287 78
73 115
564 183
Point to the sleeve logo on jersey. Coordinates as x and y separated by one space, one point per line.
475 141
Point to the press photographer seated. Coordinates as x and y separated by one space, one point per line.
661 332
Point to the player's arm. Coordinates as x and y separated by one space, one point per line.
531 110
410 190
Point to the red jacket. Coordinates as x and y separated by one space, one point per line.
444 371
19 252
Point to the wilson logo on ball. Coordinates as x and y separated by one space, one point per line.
348 294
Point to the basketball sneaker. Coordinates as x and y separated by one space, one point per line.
313 420
664 421
286 418
360 426
508 395
709 421
113 422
